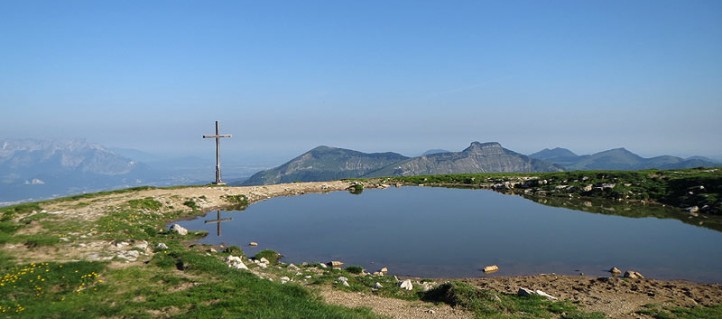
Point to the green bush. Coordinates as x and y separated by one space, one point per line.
271 255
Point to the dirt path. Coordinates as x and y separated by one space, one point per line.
393 308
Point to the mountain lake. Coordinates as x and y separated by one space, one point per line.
444 232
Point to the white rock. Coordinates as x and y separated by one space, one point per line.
285 279
142 245
179 229
631 274
264 260
345 283
161 246
236 262
545 295
322 265
524 292
407 285
384 270
293 267
342 278
378 285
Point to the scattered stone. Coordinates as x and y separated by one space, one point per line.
545 295
406 285
426 286
631 274
142 245
63 239
293 267
378 285
121 244
180 230
322 265
253 244
615 271
235 262
213 250
588 188
384 270
524 292
284 279
264 260
431 311
161 246
491 269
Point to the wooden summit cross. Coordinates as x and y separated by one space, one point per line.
218 137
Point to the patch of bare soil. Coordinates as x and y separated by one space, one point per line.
616 297
392 308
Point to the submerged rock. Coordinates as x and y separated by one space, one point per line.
491 269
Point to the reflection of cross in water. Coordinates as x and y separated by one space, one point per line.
218 221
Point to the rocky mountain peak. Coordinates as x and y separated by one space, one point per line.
484 148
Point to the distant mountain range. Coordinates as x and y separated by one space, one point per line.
325 163
617 159
329 163
38 169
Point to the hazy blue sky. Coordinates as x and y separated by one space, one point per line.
405 76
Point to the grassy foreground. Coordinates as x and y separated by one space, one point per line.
65 259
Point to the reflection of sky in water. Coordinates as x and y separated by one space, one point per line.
435 232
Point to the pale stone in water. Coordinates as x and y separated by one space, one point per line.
491 269
615 271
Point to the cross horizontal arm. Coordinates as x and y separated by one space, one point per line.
217 220
216 136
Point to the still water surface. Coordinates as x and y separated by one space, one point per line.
440 232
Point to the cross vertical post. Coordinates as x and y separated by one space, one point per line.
218 137
218 222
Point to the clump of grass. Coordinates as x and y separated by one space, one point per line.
234 250
10 212
354 269
238 201
485 303
191 203
147 203
271 255
701 312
